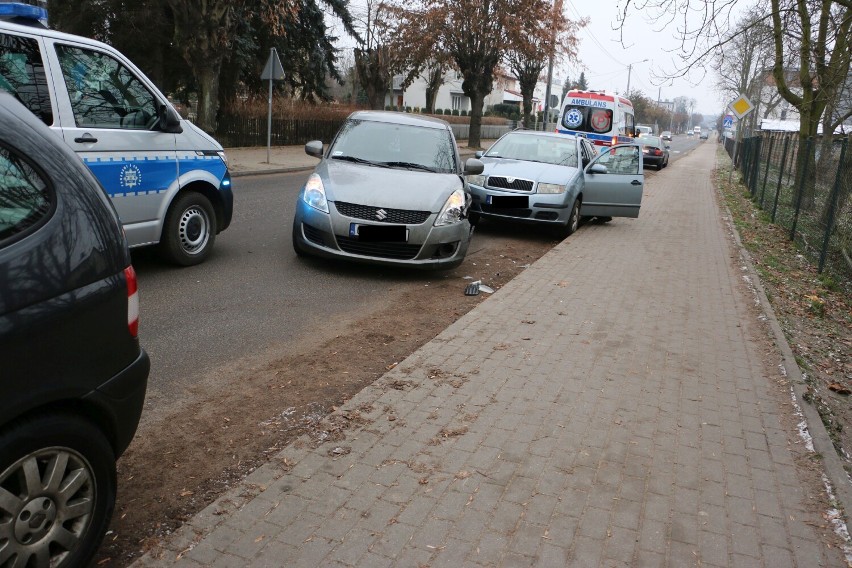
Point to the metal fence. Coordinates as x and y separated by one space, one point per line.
804 186
236 131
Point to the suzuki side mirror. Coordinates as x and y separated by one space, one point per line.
314 148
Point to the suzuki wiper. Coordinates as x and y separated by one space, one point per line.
411 165
359 161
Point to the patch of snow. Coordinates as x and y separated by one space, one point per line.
833 515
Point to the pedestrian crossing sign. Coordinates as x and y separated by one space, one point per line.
741 106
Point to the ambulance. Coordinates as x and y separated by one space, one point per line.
168 179
602 117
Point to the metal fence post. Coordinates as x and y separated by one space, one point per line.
766 171
801 190
755 165
832 206
780 176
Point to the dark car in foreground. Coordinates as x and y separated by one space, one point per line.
550 180
655 151
390 190
74 377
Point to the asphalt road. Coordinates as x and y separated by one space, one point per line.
252 298
681 144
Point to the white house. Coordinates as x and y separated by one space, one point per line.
451 96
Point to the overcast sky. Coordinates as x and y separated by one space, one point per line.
605 59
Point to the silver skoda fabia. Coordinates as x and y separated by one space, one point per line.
389 190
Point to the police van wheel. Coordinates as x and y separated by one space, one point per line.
189 230
57 473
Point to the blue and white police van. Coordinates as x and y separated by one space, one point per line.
168 179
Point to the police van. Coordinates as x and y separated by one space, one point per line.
604 118
168 179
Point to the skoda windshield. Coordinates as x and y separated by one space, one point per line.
391 145
561 151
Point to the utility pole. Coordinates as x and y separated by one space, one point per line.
629 71
549 72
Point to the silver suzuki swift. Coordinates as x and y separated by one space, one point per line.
389 190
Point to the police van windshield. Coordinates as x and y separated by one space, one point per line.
587 119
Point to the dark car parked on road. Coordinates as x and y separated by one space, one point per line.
73 375
655 151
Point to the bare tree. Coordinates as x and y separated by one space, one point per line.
811 35
544 32
744 65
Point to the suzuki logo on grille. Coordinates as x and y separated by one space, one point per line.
381 214
510 180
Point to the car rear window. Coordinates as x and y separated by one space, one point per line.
25 197
587 119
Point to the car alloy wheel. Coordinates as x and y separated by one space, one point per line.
57 491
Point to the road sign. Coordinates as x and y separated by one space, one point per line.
728 121
741 106
273 70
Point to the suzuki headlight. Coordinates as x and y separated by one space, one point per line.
476 180
314 193
453 209
551 188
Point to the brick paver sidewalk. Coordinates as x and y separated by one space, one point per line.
608 407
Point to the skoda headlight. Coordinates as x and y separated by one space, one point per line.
453 209
314 193
550 188
476 180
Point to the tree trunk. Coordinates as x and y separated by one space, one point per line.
806 169
477 100
208 94
434 80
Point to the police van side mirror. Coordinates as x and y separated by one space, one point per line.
169 120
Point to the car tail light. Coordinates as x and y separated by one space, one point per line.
132 301
658 152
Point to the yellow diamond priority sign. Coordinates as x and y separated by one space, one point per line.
741 106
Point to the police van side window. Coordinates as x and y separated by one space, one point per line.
25 198
104 93
22 74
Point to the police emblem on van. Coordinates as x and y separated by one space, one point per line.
130 177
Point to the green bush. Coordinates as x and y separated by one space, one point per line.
505 110
447 112
438 111
464 113
455 112
408 109
388 107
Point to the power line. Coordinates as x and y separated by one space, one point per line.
592 36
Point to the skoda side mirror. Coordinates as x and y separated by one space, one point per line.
473 167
